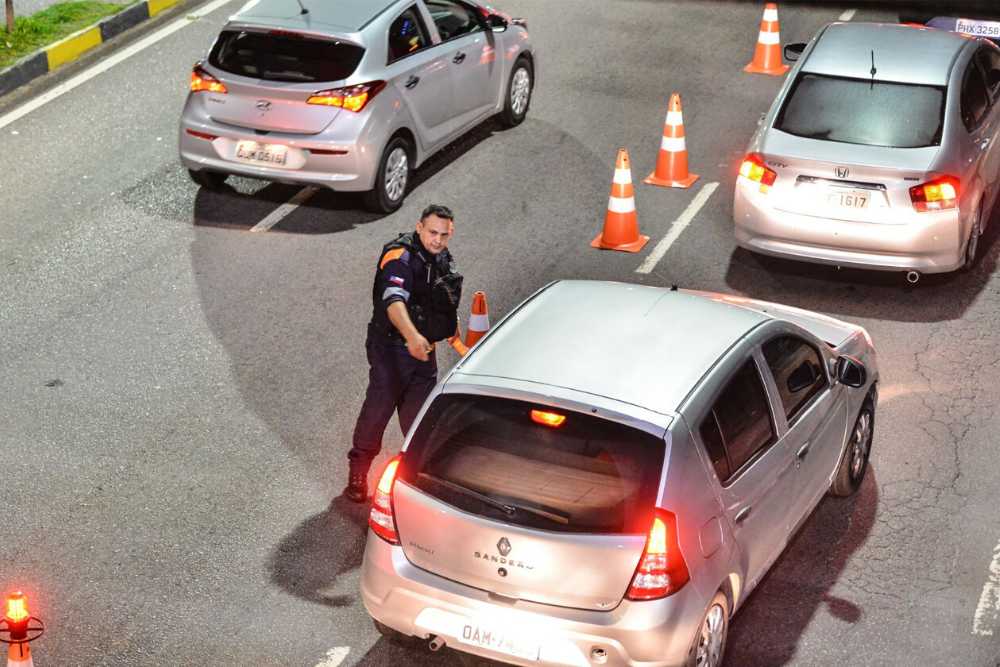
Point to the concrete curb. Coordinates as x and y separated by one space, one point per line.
69 48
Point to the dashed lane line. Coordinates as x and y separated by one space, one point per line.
848 15
335 656
989 602
282 211
108 63
677 227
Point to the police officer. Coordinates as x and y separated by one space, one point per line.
415 302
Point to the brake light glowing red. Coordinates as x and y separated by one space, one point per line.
381 518
662 570
936 195
754 169
352 98
17 607
203 81
547 418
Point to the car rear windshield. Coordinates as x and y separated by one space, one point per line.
281 56
859 111
495 458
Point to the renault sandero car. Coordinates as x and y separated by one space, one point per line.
880 151
353 95
609 473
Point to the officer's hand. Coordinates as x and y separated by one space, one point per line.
418 347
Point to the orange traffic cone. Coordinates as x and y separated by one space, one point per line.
19 655
767 57
672 164
479 321
621 227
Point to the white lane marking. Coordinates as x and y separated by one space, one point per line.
848 15
282 211
335 656
677 227
106 64
989 601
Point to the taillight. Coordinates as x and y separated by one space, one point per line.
547 418
202 80
380 518
352 98
662 570
936 195
754 169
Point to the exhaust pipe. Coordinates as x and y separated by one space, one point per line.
912 276
436 643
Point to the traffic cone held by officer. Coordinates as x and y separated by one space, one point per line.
415 300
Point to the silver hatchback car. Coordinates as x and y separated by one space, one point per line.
881 151
351 95
611 470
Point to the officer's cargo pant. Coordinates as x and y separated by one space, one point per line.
396 381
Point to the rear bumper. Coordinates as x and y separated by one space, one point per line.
415 602
931 242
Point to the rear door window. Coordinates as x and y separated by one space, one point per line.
797 371
406 35
494 458
860 111
975 99
284 56
453 19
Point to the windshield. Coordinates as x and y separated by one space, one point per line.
495 458
284 57
858 111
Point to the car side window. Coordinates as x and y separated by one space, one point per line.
739 424
989 59
453 19
975 100
798 372
406 35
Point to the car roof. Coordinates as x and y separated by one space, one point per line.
350 15
906 54
645 346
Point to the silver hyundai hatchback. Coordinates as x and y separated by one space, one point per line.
611 470
880 151
351 95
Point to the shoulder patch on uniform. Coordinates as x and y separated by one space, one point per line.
395 253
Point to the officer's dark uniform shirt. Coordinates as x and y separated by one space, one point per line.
407 272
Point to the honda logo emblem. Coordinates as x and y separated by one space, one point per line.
263 105
842 172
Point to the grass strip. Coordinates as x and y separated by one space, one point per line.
51 24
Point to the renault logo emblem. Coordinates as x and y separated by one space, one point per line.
842 172
263 105
503 546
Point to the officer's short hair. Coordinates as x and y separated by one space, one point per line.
442 212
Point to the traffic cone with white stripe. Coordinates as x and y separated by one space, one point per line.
621 227
479 321
767 56
672 164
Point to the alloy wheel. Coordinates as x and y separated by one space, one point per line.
520 91
709 652
397 171
859 443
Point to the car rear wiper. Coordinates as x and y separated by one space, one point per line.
506 509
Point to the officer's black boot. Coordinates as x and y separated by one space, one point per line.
357 487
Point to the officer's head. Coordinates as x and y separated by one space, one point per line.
435 227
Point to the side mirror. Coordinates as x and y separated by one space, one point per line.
793 51
760 121
497 23
850 372
803 377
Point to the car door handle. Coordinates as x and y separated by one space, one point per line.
801 454
742 515
459 57
412 81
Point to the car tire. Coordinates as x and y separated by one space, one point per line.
518 96
395 636
212 180
855 462
972 245
392 179
709 647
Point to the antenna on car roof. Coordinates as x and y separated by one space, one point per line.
304 10
873 71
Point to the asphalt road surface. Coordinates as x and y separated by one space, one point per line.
178 393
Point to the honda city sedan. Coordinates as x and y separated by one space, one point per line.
881 151
351 96
609 473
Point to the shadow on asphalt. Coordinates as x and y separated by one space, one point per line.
858 293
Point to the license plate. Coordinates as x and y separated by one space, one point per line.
847 198
978 28
251 151
476 634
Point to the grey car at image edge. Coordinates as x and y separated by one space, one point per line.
880 151
607 475
351 95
